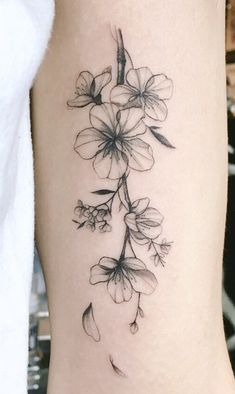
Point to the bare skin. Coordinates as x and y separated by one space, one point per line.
179 347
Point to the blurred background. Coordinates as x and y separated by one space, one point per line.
39 330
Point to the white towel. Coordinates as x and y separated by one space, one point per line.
25 26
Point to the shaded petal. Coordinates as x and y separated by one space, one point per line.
161 86
83 83
130 220
149 223
88 143
119 288
139 238
139 77
140 205
103 117
108 263
110 165
80 101
150 232
140 155
143 281
89 324
130 122
151 216
122 94
156 109
101 272
101 81
133 263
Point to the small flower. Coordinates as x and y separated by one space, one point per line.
80 209
90 224
113 143
143 89
161 250
94 216
143 221
88 88
123 277
103 213
165 247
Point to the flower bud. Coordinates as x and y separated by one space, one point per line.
134 327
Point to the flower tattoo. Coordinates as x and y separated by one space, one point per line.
114 143
88 88
123 277
145 90
143 221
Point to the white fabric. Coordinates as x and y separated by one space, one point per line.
24 31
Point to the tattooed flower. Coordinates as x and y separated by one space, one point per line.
143 89
113 141
161 250
88 88
93 216
143 221
123 277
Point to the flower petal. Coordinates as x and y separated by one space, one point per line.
83 83
80 101
122 94
110 165
138 78
108 263
155 108
139 238
119 288
103 117
140 155
149 223
130 220
133 263
101 81
140 205
89 324
161 86
101 272
142 281
130 122
88 143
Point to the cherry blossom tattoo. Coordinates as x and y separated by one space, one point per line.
114 143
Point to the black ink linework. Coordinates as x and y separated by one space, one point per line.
89 324
117 370
114 143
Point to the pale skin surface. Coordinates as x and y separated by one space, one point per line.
180 347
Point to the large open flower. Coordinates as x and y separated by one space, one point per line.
113 141
143 221
123 277
88 88
143 89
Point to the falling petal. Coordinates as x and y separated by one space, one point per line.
117 370
89 324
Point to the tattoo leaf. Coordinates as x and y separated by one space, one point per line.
89 324
161 138
102 192
80 225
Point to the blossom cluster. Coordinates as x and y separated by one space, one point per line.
93 217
